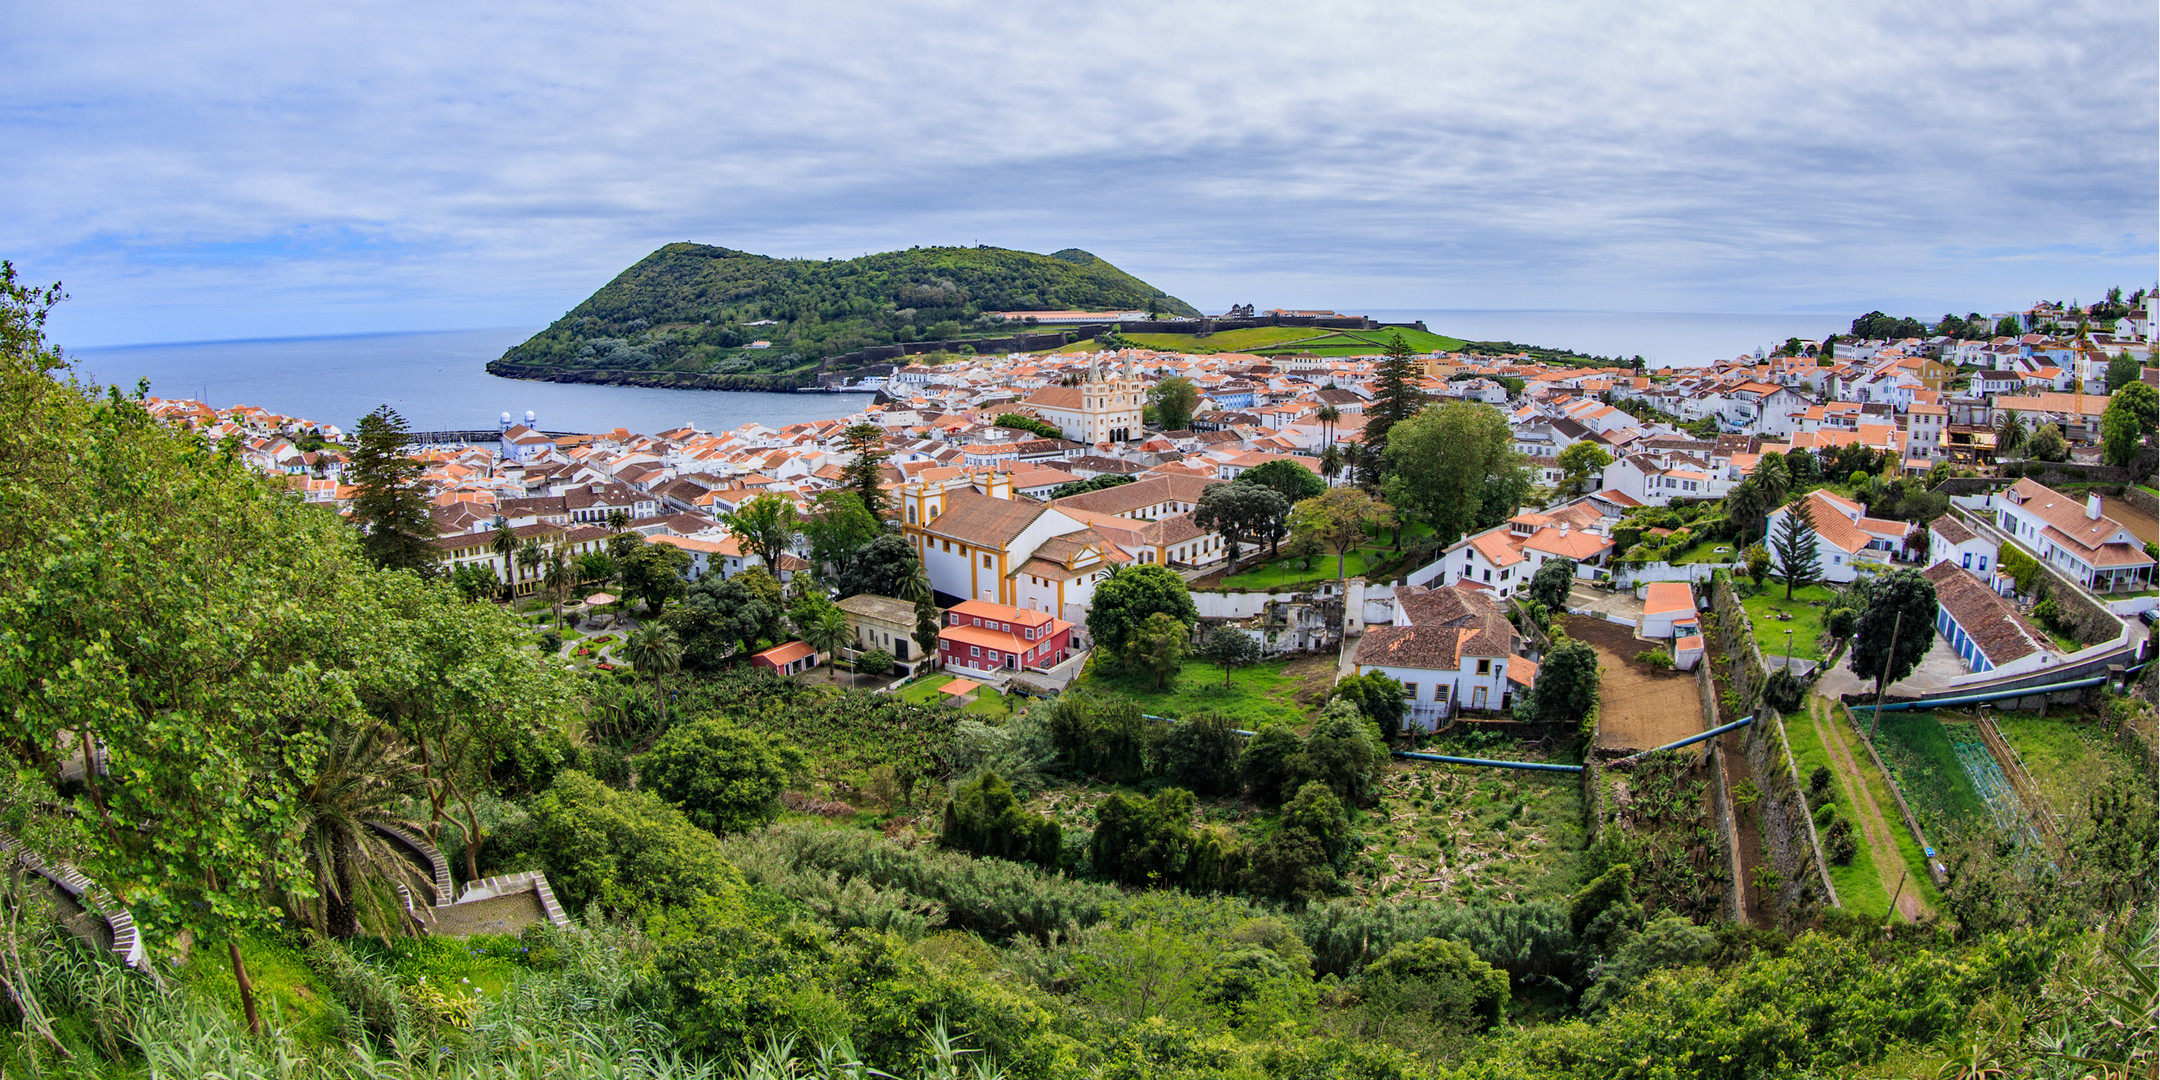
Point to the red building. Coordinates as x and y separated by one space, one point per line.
998 637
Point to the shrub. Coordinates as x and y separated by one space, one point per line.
1838 843
1264 765
1201 754
875 662
1439 981
626 850
727 779
1655 657
1820 789
985 819
1344 752
1379 697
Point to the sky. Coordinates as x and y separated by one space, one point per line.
237 170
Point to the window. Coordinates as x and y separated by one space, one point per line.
1440 692
974 650
1409 690
1488 575
986 562
993 656
1968 561
1484 667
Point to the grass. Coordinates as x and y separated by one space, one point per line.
1257 575
1707 551
1279 339
1879 789
988 701
1255 695
2068 759
1860 885
1917 750
1806 623
286 991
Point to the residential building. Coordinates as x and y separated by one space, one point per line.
881 622
1846 539
1949 541
1452 648
985 637
1987 633
2073 536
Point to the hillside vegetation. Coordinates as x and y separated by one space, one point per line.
695 308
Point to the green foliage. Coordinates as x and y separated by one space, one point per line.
1582 466
1102 737
1379 697
1553 581
1345 753
841 532
984 819
1838 843
1900 604
1158 647
1613 888
687 306
1794 548
1668 942
1454 467
766 525
1241 512
875 662
1567 682
1152 841
1125 599
1200 753
1338 519
1436 982
1174 398
1229 648
1029 424
1264 764
653 573
720 618
1290 479
628 851
1655 657
1093 483
389 506
2131 417
1310 847
724 778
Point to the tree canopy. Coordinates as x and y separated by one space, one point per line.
1455 468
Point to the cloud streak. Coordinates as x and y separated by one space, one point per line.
219 170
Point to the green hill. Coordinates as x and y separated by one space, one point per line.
694 309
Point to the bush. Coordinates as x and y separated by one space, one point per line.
1657 658
1264 765
1201 754
1838 843
1439 981
1151 841
725 778
1344 752
1379 697
875 662
625 850
1820 786
984 819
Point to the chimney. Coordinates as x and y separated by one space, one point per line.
2092 507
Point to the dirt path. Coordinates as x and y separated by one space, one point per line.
1889 860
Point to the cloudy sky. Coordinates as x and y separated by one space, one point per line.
216 170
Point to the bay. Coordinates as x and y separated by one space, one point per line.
437 380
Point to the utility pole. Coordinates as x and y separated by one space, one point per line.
1882 682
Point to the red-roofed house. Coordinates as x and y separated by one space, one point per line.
1846 539
793 658
986 637
2073 536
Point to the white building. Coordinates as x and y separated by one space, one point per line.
1452 649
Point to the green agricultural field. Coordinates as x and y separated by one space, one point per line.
1479 835
2068 757
1864 886
1806 608
1373 342
1919 754
1276 690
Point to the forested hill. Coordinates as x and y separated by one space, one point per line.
693 308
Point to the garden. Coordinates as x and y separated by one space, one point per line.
1772 615
989 704
2069 757
1842 785
1294 570
1922 756
1476 834
1273 690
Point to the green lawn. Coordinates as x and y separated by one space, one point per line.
1254 695
1918 752
988 702
1859 887
1257 574
286 991
1806 622
1879 789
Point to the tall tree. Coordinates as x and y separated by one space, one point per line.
1339 519
1455 468
1901 602
389 507
863 473
1292 480
559 577
1126 598
1775 478
1745 507
1550 586
1240 512
2121 372
1798 563
766 525
1329 416
654 652
1582 467
653 573
1396 397
2132 416
503 541
1567 682
839 528
1174 399
1331 462
822 626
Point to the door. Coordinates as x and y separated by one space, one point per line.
1477 698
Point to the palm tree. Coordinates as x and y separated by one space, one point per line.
1329 416
618 520
2009 433
826 631
1775 478
1331 462
364 778
558 575
504 542
653 651
529 557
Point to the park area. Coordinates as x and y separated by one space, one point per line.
1639 706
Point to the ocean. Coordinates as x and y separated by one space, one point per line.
438 380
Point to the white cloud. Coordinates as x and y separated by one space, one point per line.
219 169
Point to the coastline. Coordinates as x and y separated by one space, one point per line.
772 383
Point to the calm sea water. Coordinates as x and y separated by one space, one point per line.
437 381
